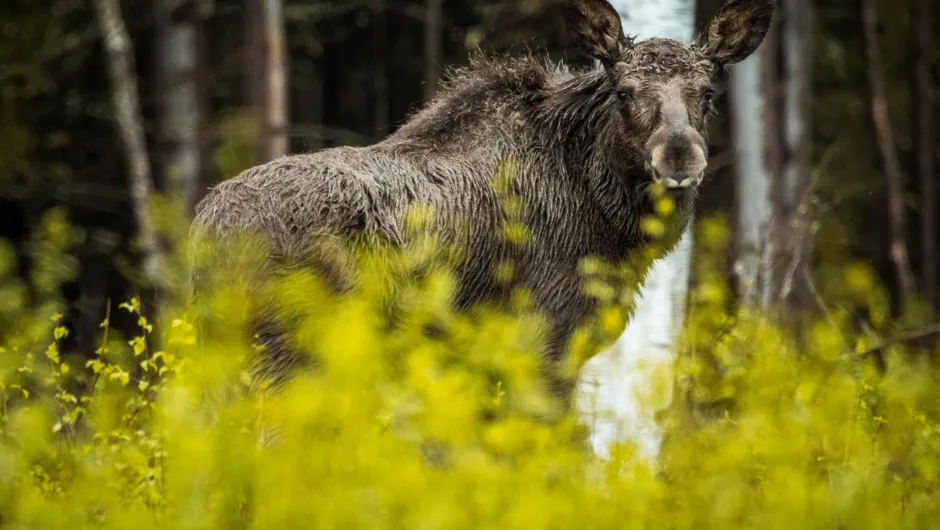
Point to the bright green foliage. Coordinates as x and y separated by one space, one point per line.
395 427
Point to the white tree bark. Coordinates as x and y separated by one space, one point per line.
621 389
179 116
119 53
750 111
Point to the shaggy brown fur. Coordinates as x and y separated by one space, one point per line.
588 144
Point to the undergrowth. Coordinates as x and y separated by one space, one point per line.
394 427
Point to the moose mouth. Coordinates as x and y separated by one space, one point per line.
677 164
675 182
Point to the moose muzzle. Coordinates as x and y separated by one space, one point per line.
676 151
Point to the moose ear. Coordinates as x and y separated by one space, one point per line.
737 30
596 29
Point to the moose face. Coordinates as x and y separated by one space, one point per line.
662 88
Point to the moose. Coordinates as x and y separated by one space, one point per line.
588 144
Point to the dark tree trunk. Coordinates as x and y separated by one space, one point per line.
884 136
203 88
255 73
307 107
432 46
922 108
794 245
380 69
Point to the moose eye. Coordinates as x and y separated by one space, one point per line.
709 95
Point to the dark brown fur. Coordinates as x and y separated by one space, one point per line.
586 143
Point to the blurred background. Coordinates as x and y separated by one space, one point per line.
841 99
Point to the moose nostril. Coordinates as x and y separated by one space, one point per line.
677 162
690 181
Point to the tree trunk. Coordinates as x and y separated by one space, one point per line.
179 116
432 46
794 243
885 137
265 76
255 73
643 356
380 69
770 127
754 115
307 101
922 108
203 78
120 58
276 59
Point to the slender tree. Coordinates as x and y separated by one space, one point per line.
120 59
380 69
922 107
770 126
757 152
179 116
612 380
276 73
792 202
265 75
432 46
255 72
884 136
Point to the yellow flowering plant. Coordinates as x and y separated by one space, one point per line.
394 427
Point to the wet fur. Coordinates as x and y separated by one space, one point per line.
581 159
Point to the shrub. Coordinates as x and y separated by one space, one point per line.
397 428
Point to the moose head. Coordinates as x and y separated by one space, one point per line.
664 88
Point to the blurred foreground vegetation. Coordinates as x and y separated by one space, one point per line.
396 428
143 422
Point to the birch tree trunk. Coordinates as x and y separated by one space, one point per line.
754 149
613 382
119 54
770 126
754 114
179 113
884 136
